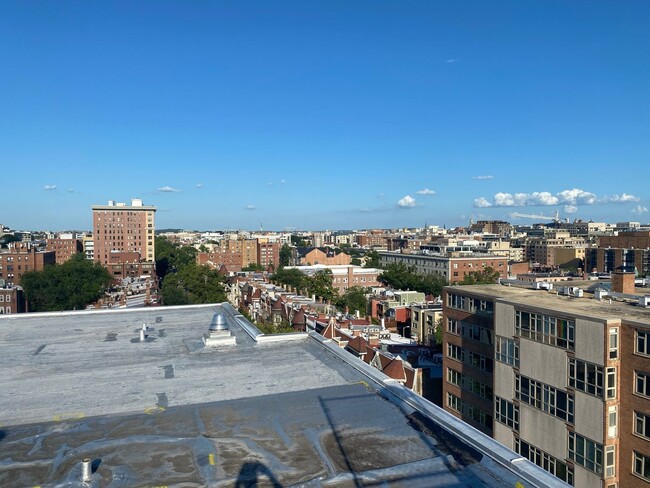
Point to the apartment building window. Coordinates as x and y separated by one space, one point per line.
642 343
586 453
586 377
454 402
545 329
453 326
610 461
507 351
479 388
454 352
612 421
2 298
454 377
642 383
478 361
613 343
546 398
611 383
479 416
641 466
506 413
642 424
544 460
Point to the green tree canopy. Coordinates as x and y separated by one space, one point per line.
253 267
171 257
290 277
193 284
285 255
402 277
486 276
321 285
68 286
372 259
354 299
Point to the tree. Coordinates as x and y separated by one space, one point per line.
253 267
372 259
486 276
193 284
355 261
402 277
171 257
7 238
285 255
354 299
298 241
290 277
68 286
321 284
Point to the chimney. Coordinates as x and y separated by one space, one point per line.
623 282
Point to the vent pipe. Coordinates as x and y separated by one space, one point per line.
142 335
86 470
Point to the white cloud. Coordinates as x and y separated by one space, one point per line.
49 187
407 202
483 177
623 198
571 198
168 189
426 191
380 195
570 209
451 60
282 181
250 207
199 185
639 209
577 196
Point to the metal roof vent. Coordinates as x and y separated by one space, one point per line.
218 332
218 323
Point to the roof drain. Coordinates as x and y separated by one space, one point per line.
86 470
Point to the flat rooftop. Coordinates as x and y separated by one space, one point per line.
280 411
586 306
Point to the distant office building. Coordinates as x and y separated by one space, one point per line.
118 227
20 258
268 254
64 248
452 268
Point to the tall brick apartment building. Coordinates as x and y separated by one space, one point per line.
562 380
121 228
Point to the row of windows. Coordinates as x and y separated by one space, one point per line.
471 358
471 385
470 331
469 411
544 397
469 304
545 461
5 310
506 351
586 453
507 413
545 329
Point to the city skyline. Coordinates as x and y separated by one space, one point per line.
325 115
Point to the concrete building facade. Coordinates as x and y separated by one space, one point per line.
559 379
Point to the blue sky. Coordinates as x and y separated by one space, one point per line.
324 114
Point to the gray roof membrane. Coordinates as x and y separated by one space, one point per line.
263 412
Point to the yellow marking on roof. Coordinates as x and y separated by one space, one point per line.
211 459
69 416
